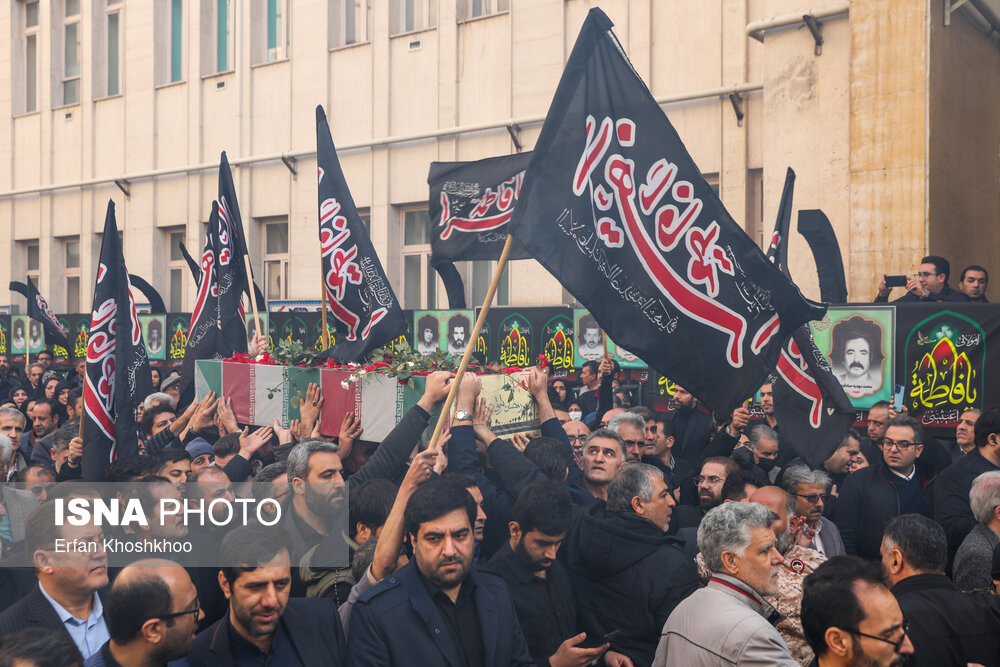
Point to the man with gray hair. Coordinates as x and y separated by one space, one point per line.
17 503
811 489
728 621
158 398
631 428
764 445
628 574
971 571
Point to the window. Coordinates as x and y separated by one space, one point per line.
366 219
472 9
71 273
25 57
350 22
270 30
176 267
275 260
410 15
216 36
70 59
169 47
477 276
31 262
108 55
420 282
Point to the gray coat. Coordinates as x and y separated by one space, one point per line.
833 543
725 623
19 504
971 571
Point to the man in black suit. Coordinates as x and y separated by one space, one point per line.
65 599
263 625
438 610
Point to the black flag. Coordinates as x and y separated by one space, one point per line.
196 274
470 206
822 240
231 237
156 305
811 406
217 328
118 377
777 252
615 208
39 310
365 311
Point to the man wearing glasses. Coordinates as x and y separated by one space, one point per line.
850 618
887 488
946 626
811 490
152 616
929 284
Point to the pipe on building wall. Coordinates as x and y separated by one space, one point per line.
988 14
756 29
385 141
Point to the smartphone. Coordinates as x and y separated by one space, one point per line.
895 281
897 399
608 637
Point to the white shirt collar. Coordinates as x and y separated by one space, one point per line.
96 612
906 477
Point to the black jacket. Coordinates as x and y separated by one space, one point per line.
948 627
867 501
692 433
32 611
313 627
397 623
951 497
628 576
946 294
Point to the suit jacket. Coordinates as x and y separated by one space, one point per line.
397 623
313 627
31 611
19 504
833 543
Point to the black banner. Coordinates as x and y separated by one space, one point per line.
231 237
38 309
366 314
615 208
777 251
118 376
470 206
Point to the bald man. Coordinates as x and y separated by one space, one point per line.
152 614
799 562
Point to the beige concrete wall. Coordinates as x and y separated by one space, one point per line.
888 139
485 70
964 163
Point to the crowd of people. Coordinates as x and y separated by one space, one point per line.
617 536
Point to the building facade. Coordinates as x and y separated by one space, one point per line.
886 109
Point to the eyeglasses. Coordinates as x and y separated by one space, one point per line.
711 479
197 608
578 438
898 644
925 274
901 445
813 498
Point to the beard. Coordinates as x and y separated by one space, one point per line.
325 507
861 659
784 541
523 555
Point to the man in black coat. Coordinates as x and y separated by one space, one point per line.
627 572
951 489
891 486
263 625
692 427
439 609
947 627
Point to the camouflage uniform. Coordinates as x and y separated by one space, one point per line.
799 563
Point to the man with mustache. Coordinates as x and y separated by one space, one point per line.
811 490
857 351
946 625
539 583
263 625
850 618
438 609
729 621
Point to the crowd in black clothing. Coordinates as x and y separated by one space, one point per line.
616 536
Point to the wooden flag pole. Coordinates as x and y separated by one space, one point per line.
253 296
453 392
322 304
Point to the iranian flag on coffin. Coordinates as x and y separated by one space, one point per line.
260 393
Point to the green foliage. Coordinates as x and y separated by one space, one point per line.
293 353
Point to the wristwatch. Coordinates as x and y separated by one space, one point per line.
463 416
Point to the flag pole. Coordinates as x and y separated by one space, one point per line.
453 391
253 296
322 303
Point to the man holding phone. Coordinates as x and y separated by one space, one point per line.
929 284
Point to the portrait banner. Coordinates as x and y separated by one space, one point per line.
858 341
19 334
153 327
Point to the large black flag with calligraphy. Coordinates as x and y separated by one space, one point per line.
366 314
470 206
231 237
615 208
118 376
811 406
38 309
217 329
